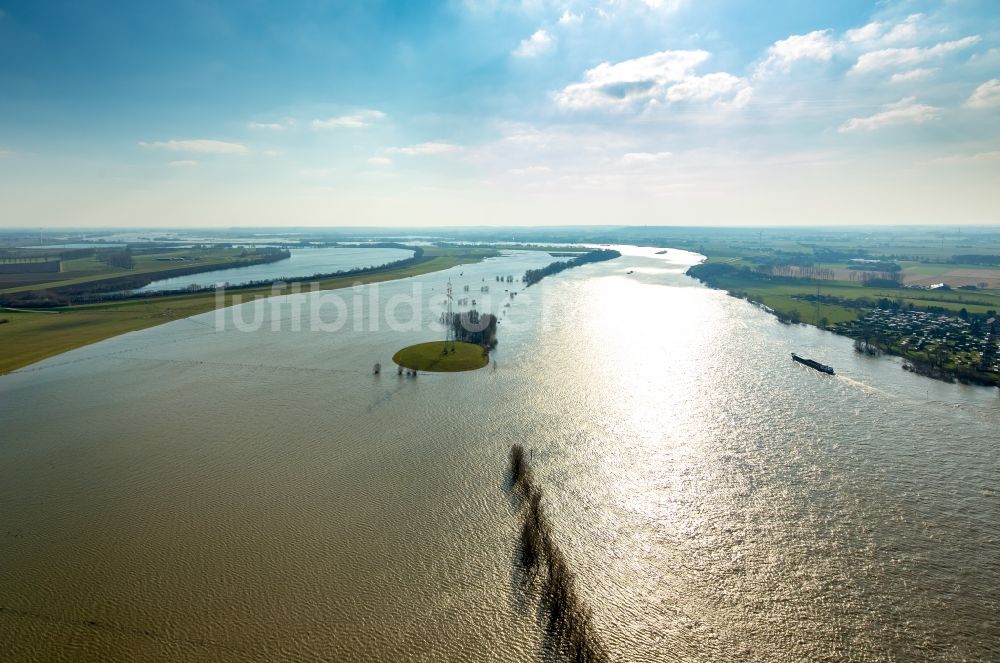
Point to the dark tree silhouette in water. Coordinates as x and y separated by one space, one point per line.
533 276
569 617
474 327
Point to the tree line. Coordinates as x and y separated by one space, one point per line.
976 259
533 276
120 258
121 288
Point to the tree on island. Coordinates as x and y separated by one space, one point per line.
474 327
533 276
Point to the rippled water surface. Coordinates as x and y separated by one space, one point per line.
183 493
302 262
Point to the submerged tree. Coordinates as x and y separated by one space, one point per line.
569 618
533 276
473 327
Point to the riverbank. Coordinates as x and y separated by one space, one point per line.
533 276
903 322
105 270
29 337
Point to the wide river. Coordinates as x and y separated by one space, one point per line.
245 492
302 262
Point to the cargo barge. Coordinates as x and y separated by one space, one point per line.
822 368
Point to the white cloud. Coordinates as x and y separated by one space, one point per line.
425 149
876 33
894 57
667 76
986 95
569 18
709 87
816 45
904 111
272 126
271 153
912 75
380 161
538 43
183 163
866 33
905 31
666 5
359 120
6 153
644 158
197 146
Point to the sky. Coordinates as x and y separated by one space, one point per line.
490 112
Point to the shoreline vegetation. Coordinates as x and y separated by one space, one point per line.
533 276
32 335
942 334
548 574
73 271
930 296
122 288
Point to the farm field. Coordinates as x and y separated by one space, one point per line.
30 336
91 269
851 291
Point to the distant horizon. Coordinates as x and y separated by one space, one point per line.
945 227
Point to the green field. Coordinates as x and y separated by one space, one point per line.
787 298
925 255
816 285
31 336
915 244
91 270
442 357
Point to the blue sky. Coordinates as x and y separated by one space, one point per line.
535 112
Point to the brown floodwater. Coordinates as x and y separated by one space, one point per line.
196 494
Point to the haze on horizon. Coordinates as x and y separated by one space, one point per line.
541 112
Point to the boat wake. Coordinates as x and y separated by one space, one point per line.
867 388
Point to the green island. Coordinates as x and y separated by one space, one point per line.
30 335
442 357
471 336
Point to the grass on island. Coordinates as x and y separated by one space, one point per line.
30 336
442 356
